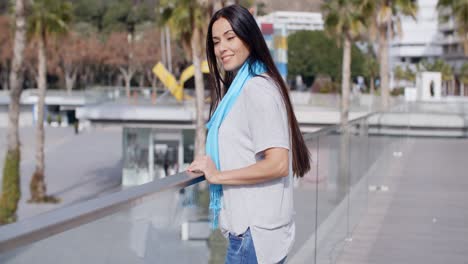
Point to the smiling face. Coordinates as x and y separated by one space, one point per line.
228 47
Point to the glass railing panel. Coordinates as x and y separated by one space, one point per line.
305 205
387 140
329 202
379 142
357 198
168 227
332 193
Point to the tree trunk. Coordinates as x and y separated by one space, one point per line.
383 58
343 170
141 80
70 79
5 84
152 79
465 42
4 78
11 170
85 76
199 94
345 81
163 47
37 185
127 74
372 87
168 47
453 86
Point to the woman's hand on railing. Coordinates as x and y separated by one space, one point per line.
204 164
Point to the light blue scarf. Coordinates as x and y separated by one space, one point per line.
242 76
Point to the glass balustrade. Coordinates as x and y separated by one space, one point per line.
172 226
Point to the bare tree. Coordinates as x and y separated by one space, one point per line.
147 54
6 50
70 53
120 54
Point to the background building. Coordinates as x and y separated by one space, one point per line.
419 37
292 5
294 21
450 43
276 27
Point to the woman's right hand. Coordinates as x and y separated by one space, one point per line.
205 165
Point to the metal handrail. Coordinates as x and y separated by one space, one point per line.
50 223
328 129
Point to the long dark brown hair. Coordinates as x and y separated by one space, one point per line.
246 28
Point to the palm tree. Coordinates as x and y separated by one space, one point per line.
371 67
387 22
410 75
47 17
11 169
459 10
346 20
188 19
399 74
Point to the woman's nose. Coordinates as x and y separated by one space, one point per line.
221 47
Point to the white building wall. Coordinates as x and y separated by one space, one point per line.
294 21
419 39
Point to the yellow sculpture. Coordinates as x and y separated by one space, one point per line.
177 87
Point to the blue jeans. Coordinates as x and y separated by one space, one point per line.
241 250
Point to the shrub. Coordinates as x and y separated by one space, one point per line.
397 91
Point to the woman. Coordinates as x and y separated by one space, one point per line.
254 145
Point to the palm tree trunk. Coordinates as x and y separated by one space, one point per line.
465 42
372 87
453 86
11 170
345 81
342 180
383 58
37 185
199 94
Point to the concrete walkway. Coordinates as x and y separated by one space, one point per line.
77 167
423 218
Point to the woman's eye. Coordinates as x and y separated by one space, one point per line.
230 38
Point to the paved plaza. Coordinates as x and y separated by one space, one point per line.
423 217
77 167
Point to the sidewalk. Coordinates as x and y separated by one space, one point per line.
77 167
423 216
